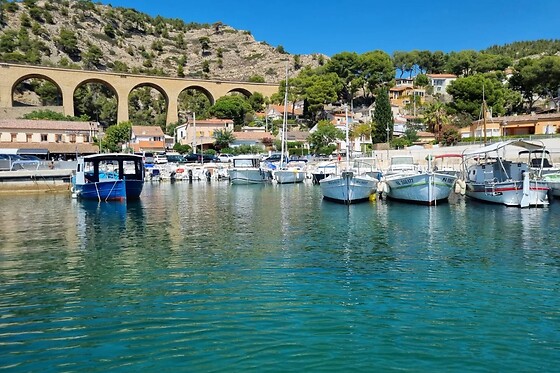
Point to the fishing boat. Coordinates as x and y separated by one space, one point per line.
323 170
348 186
109 177
248 170
406 182
491 178
289 173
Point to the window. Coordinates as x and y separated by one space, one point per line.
73 138
58 138
44 137
14 137
28 137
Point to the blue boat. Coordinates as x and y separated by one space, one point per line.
109 177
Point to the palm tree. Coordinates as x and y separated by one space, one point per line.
223 138
436 117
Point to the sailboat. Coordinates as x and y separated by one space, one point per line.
287 174
348 186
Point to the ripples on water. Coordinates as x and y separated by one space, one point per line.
212 277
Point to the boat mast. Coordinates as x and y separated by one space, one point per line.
284 120
347 141
484 114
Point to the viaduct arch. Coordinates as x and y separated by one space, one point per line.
67 80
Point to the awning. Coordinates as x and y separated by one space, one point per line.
33 151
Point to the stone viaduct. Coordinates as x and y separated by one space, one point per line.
68 80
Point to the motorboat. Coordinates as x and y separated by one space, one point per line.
406 182
322 170
106 177
247 170
490 177
348 186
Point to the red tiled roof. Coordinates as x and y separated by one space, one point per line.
151 131
442 76
522 118
252 135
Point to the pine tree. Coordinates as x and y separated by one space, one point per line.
382 117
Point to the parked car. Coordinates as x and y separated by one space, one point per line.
225 157
176 158
191 158
273 158
207 158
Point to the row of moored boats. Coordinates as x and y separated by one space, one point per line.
483 173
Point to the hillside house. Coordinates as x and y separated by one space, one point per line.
57 138
147 139
201 132
514 125
440 82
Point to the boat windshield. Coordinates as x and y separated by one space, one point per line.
401 160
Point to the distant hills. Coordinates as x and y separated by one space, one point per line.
81 34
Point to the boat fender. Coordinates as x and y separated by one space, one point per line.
460 187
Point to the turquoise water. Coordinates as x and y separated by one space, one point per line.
213 277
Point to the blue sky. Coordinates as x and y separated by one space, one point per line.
331 26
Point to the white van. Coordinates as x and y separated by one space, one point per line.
160 159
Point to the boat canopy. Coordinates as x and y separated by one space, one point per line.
112 157
499 145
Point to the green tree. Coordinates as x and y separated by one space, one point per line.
323 138
49 93
382 117
223 138
204 44
469 91
68 43
256 100
256 79
92 57
376 69
231 107
536 79
115 136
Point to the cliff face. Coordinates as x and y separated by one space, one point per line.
81 34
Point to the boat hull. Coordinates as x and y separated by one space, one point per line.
249 176
348 188
424 188
110 190
289 176
509 193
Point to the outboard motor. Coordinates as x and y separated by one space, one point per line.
190 176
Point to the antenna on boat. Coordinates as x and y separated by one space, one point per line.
347 140
284 121
484 114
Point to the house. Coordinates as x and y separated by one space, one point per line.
251 139
57 138
147 138
201 132
440 82
276 112
514 125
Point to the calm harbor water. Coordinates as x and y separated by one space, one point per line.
213 277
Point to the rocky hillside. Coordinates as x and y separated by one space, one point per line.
83 35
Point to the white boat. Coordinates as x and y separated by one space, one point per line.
406 182
287 173
348 186
553 182
490 177
247 170
323 170
426 187
290 175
